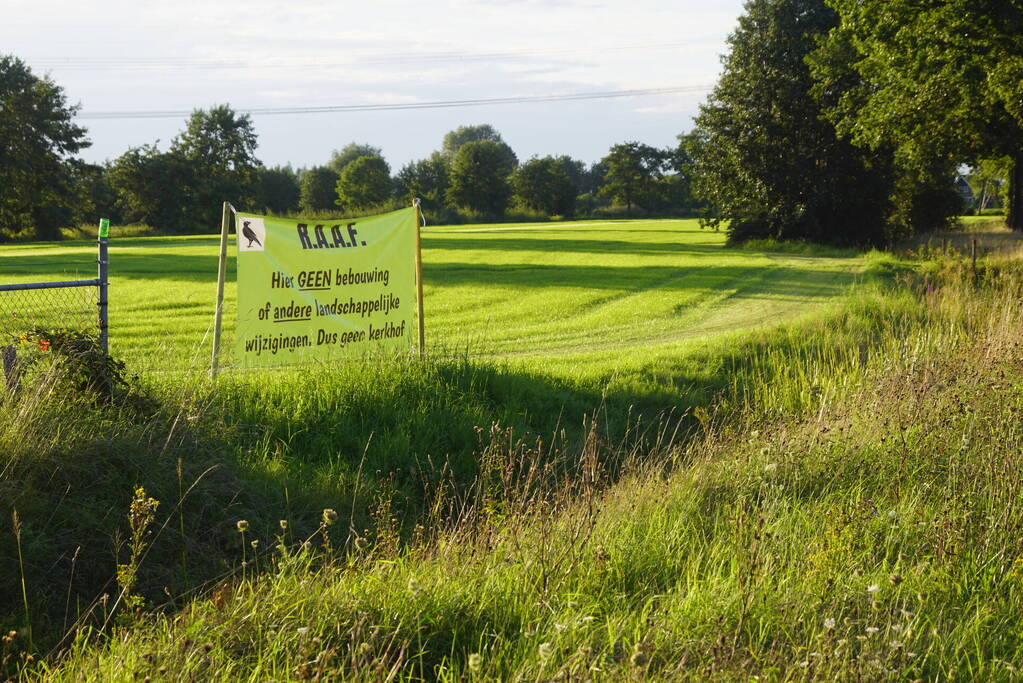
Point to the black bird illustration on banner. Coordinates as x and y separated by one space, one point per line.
249 234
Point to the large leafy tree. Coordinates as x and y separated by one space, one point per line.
277 189
988 180
317 189
763 158
340 158
426 179
94 196
632 171
219 146
479 177
454 141
153 187
676 188
935 78
545 184
38 143
364 183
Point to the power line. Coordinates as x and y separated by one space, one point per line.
443 104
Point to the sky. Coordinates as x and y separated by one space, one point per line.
119 57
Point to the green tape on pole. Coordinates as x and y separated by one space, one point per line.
104 227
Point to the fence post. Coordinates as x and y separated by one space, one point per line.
225 224
10 362
104 284
419 274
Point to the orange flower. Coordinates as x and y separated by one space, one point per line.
44 344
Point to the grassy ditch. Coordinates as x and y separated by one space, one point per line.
853 482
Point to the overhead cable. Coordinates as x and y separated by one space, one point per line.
443 104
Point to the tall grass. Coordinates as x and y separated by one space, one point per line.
849 510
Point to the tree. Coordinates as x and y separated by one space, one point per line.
576 170
94 197
632 172
277 189
317 189
934 79
426 179
454 139
593 180
763 159
340 158
219 147
38 141
479 177
989 179
363 183
545 185
153 187
676 189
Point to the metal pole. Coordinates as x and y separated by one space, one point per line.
419 274
225 223
104 285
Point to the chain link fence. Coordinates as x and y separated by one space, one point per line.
56 308
33 312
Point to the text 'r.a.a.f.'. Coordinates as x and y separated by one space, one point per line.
328 237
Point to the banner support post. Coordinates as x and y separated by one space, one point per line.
103 261
419 274
225 223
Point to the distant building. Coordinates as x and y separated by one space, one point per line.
988 196
964 190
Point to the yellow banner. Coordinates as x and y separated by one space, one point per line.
317 291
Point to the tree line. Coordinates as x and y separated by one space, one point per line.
847 121
474 174
836 121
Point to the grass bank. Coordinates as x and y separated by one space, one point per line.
845 515
485 529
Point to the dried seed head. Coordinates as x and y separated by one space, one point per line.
329 516
243 525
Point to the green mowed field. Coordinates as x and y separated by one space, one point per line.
571 299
